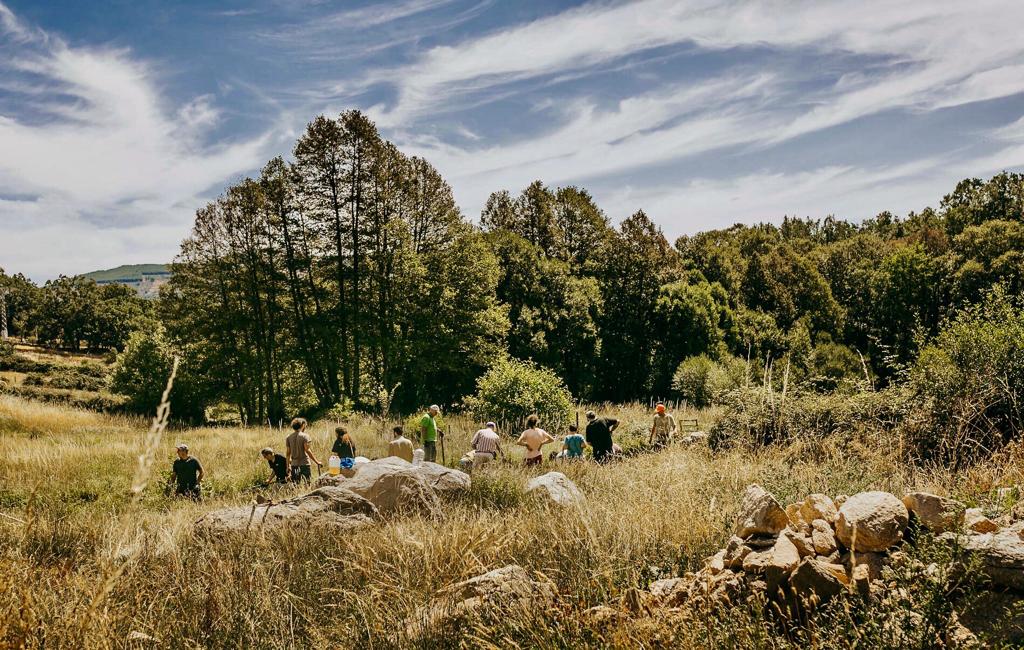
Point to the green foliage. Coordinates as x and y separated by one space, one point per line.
511 390
703 381
971 381
68 377
141 374
694 318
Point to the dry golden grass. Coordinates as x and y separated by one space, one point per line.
67 523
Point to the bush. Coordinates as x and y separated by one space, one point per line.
67 377
6 349
970 381
512 389
141 374
702 381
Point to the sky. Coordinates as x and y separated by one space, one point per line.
119 118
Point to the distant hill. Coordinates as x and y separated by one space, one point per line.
146 279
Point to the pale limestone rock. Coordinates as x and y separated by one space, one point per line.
871 521
760 513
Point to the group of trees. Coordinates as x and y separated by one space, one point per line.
349 271
72 312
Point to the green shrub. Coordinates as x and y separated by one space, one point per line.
511 390
702 381
6 349
970 382
92 401
67 377
141 374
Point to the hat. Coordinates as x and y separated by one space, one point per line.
267 450
591 415
492 425
182 447
660 408
435 407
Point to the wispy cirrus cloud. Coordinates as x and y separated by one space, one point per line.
104 151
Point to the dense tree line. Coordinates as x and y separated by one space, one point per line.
349 270
73 312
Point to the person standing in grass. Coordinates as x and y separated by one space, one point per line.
278 466
344 446
297 447
486 445
188 474
664 427
599 436
573 444
534 438
429 433
400 446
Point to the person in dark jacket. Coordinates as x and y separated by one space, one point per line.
278 466
599 436
344 446
187 474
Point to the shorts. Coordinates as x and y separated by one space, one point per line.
481 458
536 460
301 472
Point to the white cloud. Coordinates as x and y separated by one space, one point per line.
109 150
926 55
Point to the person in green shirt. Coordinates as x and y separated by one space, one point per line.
429 433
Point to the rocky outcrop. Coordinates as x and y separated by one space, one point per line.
498 593
395 485
937 514
333 509
556 488
871 521
1001 554
760 514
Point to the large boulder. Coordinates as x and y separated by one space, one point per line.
508 591
818 506
556 488
1001 554
817 581
871 521
822 538
333 509
445 481
975 520
760 514
938 514
393 485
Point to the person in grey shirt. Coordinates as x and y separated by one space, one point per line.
297 446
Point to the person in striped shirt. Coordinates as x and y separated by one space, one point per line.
486 445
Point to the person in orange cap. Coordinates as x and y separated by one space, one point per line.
664 427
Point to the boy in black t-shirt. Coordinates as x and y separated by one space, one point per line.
188 474
278 465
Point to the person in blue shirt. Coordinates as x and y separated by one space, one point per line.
573 443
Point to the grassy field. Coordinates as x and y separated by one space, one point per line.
86 566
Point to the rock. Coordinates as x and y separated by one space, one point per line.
510 590
958 636
871 521
822 537
557 489
860 577
814 579
840 500
1001 554
666 587
694 438
785 555
804 545
760 542
976 521
760 513
445 481
735 551
331 508
874 563
603 615
756 561
793 512
716 563
394 485
938 514
818 506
